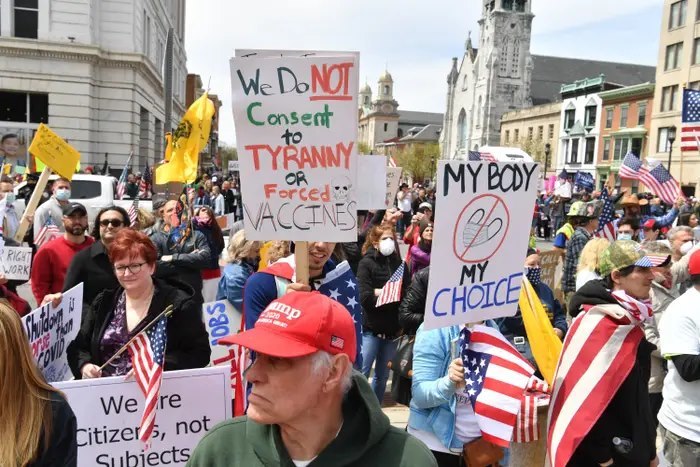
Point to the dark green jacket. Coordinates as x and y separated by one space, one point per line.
366 439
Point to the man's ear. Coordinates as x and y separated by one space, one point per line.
615 276
339 368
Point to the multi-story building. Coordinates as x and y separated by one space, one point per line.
92 71
209 158
623 128
678 67
532 129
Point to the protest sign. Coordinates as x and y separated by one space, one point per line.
393 177
549 260
50 330
16 262
371 181
233 166
108 411
53 151
296 129
480 240
220 319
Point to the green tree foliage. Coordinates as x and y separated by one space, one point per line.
419 160
228 153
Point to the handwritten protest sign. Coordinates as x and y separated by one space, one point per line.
53 151
371 179
393 177
480 240
108 411
220 319
549 260
50 330
16 262
233 166
296 128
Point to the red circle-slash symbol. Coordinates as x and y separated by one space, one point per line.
481 228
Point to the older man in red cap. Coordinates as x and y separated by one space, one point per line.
307 407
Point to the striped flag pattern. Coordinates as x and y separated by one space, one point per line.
121 183
690 121
134 212
657 179
599 352
606 226
496 376
392 161
48 232
481 156
527 424
147 352
145 183
237 359
391 292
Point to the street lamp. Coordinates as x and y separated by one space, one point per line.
547 152
671 138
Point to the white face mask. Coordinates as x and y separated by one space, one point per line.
687 246
387 246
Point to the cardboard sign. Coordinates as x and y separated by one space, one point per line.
296 129
393 177
220 319
226 221
371 179
108 411
50 330
53 151
480 241
16 262
549 261
233 166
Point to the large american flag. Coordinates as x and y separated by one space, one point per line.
391 292
481 156
657 179
606 227
48 232
147 352
598 354
497 376
690 121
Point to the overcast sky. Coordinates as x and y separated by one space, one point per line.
416 38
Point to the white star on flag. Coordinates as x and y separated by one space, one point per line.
350 283
335 294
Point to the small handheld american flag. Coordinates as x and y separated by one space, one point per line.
606 227
48 232
121 183
657 178
391 292
145 183
134 212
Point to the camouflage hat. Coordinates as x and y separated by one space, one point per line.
624 253
589 209
577 208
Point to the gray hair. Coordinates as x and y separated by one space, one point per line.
681 228
657 248
322 360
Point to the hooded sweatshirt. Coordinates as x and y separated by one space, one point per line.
366 439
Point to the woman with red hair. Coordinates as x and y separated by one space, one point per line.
118 315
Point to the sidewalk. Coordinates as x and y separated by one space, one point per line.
398 415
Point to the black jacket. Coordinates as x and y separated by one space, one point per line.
229 201
374 271
187 338
628 415
62 448
92 267
412 308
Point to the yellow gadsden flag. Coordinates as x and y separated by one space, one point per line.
546 346
189 139
53 151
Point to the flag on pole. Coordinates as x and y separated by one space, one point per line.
606 227
145 183
391 292
690 121
481 156
48 232
657 179
134 211
147 352
496 375
631 166
121 184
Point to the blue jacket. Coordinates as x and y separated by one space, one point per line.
232 282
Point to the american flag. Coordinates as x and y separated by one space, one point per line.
237 359
481 156
606 226
391 292
392 161
497 376
121 184
598 354
657 179
134 212
690 121
631 166
527 424
145 183
147 352
48 232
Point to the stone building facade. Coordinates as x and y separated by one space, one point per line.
533 128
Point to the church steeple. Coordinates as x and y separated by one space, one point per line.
386 87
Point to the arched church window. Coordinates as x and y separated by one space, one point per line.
462 130
503 58
386 89
507 4
520 5
400 133
479 115
515 58
365 100
464 83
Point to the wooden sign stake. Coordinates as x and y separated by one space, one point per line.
33 203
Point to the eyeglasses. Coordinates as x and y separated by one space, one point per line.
133 268
114 222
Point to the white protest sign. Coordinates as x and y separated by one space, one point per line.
296 129
371 179
50 330
480 241
220 319
393 177
108 411
16 262
233 166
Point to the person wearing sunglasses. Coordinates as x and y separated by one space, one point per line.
91 266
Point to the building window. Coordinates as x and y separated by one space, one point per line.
641 113
663 140
507 138
516 135
566 149
569 116
507 4
462 130
590 115
573 159
520 5
677 16
24 107
608 117
694 84
386 127
515 59
624 112
606 149
550 132
529 133
674 53
590 151
668 98
696 48
540 132
400 133
636 146
26 18
503 65
146 34
621 147
386 89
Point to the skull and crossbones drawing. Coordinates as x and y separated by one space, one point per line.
341 188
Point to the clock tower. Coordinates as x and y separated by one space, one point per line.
384 116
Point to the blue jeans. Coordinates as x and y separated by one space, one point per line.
381 350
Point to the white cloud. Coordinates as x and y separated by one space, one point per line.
416 38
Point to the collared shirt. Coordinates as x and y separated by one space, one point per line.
573 251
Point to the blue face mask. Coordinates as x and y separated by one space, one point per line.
533 275
62 194
624 236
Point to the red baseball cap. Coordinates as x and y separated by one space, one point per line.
299 324
694 263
